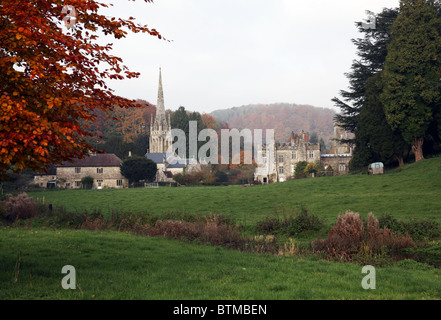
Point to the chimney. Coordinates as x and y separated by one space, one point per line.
306 137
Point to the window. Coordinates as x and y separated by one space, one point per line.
294 155
99 170
311 154
77 184
77 170
341 167
119 183
280 158
293 168
281 169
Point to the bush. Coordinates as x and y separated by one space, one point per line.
300 169
293 224
179 178
20 206
349 239
304 221
418 229
87 182
422 229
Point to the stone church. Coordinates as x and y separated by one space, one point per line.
160 142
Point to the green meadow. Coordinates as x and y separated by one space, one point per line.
119 265
116 265
412 192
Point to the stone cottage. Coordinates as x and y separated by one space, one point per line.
102 167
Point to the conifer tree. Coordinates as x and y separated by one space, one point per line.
372 51
412 72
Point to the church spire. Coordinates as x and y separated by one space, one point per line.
160 131
160 109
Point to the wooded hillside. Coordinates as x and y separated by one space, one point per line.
282 117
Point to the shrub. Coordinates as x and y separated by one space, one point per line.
418 229
20 206
293 224
304 221
87 182
348 238
300 169
179 178
422 229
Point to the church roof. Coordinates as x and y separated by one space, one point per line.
160 157
156 157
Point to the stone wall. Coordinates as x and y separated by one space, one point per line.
338 162
286 157
103 177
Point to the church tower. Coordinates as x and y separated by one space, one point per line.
160 128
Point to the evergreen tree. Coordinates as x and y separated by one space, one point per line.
138 168
372 51
412 73
383 143
180 119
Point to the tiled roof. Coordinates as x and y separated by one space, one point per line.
156 157
159 158
95 160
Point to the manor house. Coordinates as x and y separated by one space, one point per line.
280 159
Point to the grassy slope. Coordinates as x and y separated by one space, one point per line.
412 192
111 265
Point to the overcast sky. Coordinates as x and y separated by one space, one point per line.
229 53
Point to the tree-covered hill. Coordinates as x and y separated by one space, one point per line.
282 117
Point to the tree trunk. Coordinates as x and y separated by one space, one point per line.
400 159
417 149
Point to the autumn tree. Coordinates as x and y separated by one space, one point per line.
209 121
239 164
53 76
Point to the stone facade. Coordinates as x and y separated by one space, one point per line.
280 159
340 154
103 168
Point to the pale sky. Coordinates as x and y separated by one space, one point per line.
229 53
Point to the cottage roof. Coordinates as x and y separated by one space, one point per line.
95 160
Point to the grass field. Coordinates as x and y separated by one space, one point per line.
112 265
118 265
413 192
